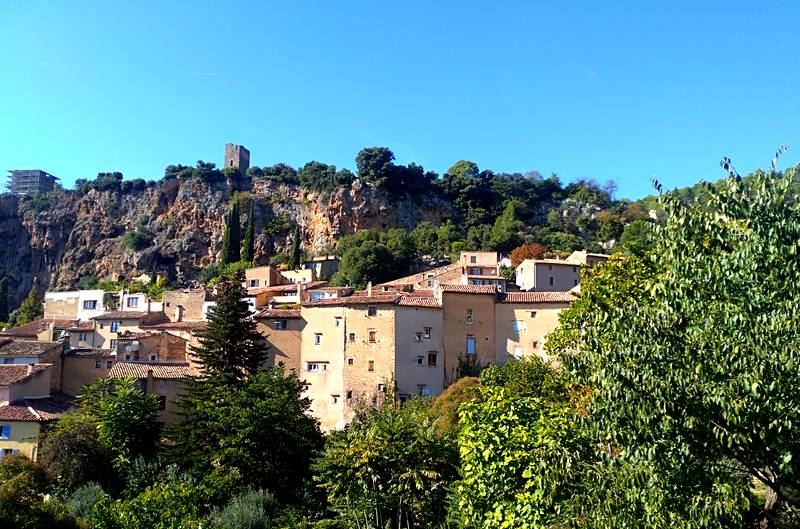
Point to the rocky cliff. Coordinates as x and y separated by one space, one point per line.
53 245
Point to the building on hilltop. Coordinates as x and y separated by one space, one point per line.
237 156
31 181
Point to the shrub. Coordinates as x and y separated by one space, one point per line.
84 498
254 509
137 240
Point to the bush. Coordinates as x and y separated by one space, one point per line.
137 240
84 498
254 509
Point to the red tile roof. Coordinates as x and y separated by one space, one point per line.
141 369
355 300
277 313
26 347
419 301
14 373
469 289
536 297
36 410
32 329
178 325
292 287
89 352
421 276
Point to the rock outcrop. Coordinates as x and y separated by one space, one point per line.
52 246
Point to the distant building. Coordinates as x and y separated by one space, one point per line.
237 156
31 181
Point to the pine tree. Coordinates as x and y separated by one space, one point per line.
248 252
231 241
229 351
3 299
294 255
30 310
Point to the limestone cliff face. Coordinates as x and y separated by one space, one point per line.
82 235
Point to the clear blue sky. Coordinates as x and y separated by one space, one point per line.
601 90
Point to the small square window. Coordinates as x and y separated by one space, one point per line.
352 337
127 357
152 358
469 316
371 365
473 259
334 399
281 325
349 361
90 304
432 359
372 336
317 339
162 402
418 337
98 364
338 322
551 281
109 364
427 334
533 314
5 431
418 360
349 394
115 326
113 344
575 282
535 344
549 267
133 302
372 310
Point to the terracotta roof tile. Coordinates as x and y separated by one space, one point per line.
277 313
178 325
140 370
89 352
36 410
355 300
536 297
14 373
469 289
26 348
419 301
32 329
420 276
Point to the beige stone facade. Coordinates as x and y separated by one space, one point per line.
186 304
82 367
281 330
548 275
524 319
468 324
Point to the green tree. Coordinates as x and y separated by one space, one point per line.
229 351
389 468
30 310
637 236
370 261
162 506
294 253
3 299
374 164
505 232
231 240
695 378
248 251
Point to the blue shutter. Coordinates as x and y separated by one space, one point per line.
6 432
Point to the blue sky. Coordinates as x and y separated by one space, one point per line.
603 90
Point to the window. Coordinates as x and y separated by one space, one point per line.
427 333
430 282
473 259
162 383
432 359
338 322
418 360
478 282
372 310
551 281
115 326
371 365
317 339
470 345
8 360
113 344
162 402
575 269
382 388
349 394
549 267
469 315
533 314
352 337
575 282
475 271
109 364
89 304
252 283
98 364
5 431
516 325
535 344
517 352
334 399
127 357
133 302
281 325
423 390
349 361
372 336
418 337
152 357
101 325
82 337
312 366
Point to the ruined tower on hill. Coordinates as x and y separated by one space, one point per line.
237 156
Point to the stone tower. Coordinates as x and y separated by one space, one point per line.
237 156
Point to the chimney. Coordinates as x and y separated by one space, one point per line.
148 304
179 313
299 292
369 288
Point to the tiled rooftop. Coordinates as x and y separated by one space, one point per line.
535 297
277 313
160 370
469 289
419 301
32 329
10 347
36 410
14 373
355 300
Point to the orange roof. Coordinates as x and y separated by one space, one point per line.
14 373
419 301
469 289
277 313
355 300
32 329
36 410
420 276
178 325
141 370
536 297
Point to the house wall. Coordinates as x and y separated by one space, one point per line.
533 331
299 276
171 389
263 276
37 385
324 383
456 330
283 344
565 276
104 334
90 295
357 377
192 302
80 371
524 274
60 305
53 356
24 436
408 373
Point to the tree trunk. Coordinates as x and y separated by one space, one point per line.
770 504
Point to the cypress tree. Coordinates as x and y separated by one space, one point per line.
294 255
248 252
3 299
231 241
229 351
